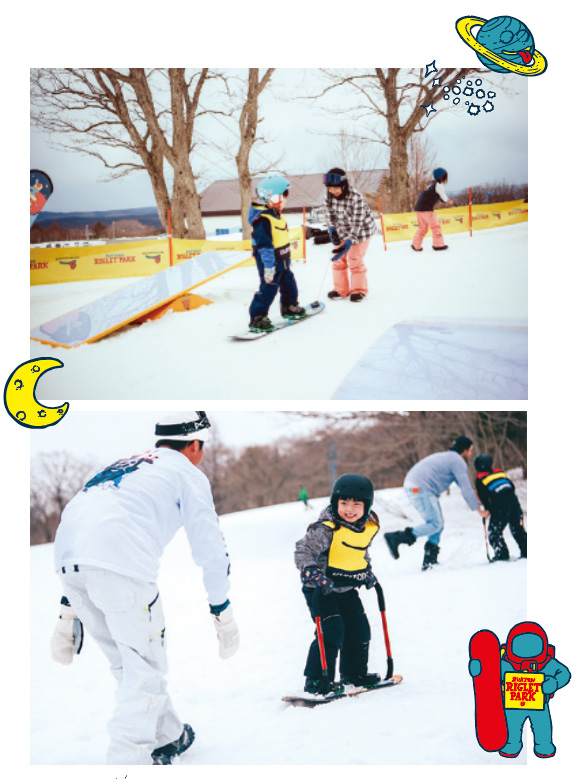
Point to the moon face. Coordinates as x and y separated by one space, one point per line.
20 395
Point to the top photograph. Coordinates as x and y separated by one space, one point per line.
268 233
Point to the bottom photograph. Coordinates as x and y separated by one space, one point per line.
284 588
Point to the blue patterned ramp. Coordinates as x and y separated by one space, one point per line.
448 360
105 315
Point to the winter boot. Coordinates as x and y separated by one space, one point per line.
395 539
335 296
261 323
430 555
367 680
357 297
322 686
500 550
293 312
165 754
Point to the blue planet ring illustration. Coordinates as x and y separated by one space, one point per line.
463 27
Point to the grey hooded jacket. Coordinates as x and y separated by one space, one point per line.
312 550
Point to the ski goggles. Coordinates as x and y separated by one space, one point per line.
334 180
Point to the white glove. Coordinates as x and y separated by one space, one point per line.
228 635
67 637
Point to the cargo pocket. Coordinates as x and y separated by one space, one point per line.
156 644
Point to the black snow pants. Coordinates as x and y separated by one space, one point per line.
345 631
502 514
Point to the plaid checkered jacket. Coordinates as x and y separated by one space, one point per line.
351 216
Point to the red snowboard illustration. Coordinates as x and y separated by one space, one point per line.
490 724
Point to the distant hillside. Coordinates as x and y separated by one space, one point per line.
147 215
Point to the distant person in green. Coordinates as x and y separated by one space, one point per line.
303 497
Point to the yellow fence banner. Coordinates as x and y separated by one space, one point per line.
49 265
184 249
401 227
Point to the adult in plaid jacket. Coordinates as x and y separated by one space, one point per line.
351 226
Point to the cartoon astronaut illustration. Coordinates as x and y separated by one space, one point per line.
515 682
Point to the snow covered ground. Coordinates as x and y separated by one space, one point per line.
235 706
189 355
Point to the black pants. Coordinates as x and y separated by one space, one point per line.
345 629
500 517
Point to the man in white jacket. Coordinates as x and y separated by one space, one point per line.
107 551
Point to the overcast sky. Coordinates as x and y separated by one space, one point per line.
487 148
107 436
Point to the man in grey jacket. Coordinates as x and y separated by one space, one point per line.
424 483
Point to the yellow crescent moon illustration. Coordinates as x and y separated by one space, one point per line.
20 395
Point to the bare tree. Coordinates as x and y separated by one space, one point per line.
132 119
394 99
355 155
248 126
54 479
217 458
382 445
421 164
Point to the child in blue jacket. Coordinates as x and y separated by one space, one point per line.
271 247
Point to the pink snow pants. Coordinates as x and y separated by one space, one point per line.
427 220
356 280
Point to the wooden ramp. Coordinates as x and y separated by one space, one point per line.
443 360
147 296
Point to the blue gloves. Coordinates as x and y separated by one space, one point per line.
474 667
333 236
312 576
341 251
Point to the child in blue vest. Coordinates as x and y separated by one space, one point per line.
271 247
424 209
334 563
497 494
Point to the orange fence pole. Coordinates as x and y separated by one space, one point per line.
382 226
304 240
170 235
470 216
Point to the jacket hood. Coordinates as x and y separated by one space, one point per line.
527 647
256 209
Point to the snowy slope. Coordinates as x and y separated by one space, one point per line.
235 706
189 355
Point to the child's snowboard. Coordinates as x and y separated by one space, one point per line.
312 309
490 724
311 700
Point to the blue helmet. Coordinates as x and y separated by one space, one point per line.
271 188
439 173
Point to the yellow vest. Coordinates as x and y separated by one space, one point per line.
280 232
346 556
